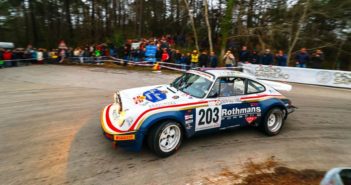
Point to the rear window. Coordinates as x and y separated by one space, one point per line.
254 87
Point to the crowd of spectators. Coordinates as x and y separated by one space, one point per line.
301 58
167 50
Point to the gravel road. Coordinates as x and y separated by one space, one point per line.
50 132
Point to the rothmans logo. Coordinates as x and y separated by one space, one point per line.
241 111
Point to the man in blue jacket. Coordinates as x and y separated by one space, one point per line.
267 58
302 58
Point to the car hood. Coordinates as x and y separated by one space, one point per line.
152 96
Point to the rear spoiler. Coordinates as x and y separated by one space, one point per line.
279 86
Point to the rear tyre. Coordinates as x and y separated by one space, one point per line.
165 139
273 122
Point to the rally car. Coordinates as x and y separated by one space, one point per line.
197 102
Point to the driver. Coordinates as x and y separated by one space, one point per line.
227 88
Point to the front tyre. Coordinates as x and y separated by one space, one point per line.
273 122
166 138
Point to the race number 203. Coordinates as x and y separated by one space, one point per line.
208 117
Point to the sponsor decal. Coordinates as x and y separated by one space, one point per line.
324 76
342 78
240 112
250 119
189 119
124 137
153 105
139 99
270 72
175 97
230 100
154 95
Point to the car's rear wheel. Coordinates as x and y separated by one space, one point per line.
273 122
166 138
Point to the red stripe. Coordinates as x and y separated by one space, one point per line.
259 96
110 125
169 106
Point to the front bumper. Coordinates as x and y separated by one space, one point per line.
128 141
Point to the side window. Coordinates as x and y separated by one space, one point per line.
239 86
228 86
254 87
214 93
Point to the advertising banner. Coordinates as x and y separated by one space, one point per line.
332 78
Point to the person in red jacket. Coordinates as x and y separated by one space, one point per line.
7 55
165 56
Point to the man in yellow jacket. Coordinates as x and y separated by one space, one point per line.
194 59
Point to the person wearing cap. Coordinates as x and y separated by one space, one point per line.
267 57
194 59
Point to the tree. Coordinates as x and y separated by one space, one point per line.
209 30
192 24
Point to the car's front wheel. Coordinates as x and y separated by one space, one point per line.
166 138
273 122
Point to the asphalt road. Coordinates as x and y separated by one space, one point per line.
50 132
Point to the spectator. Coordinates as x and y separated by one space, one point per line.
302 58
135 55
255 58
188 60
183 61
194 59
40 56
7 55
267 57
203 59
126 51
229 59
244 55
213 60
317 59
177 57
281 58
165 56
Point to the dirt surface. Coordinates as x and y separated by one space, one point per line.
266 172
50 132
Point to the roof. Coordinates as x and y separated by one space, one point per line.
215 73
